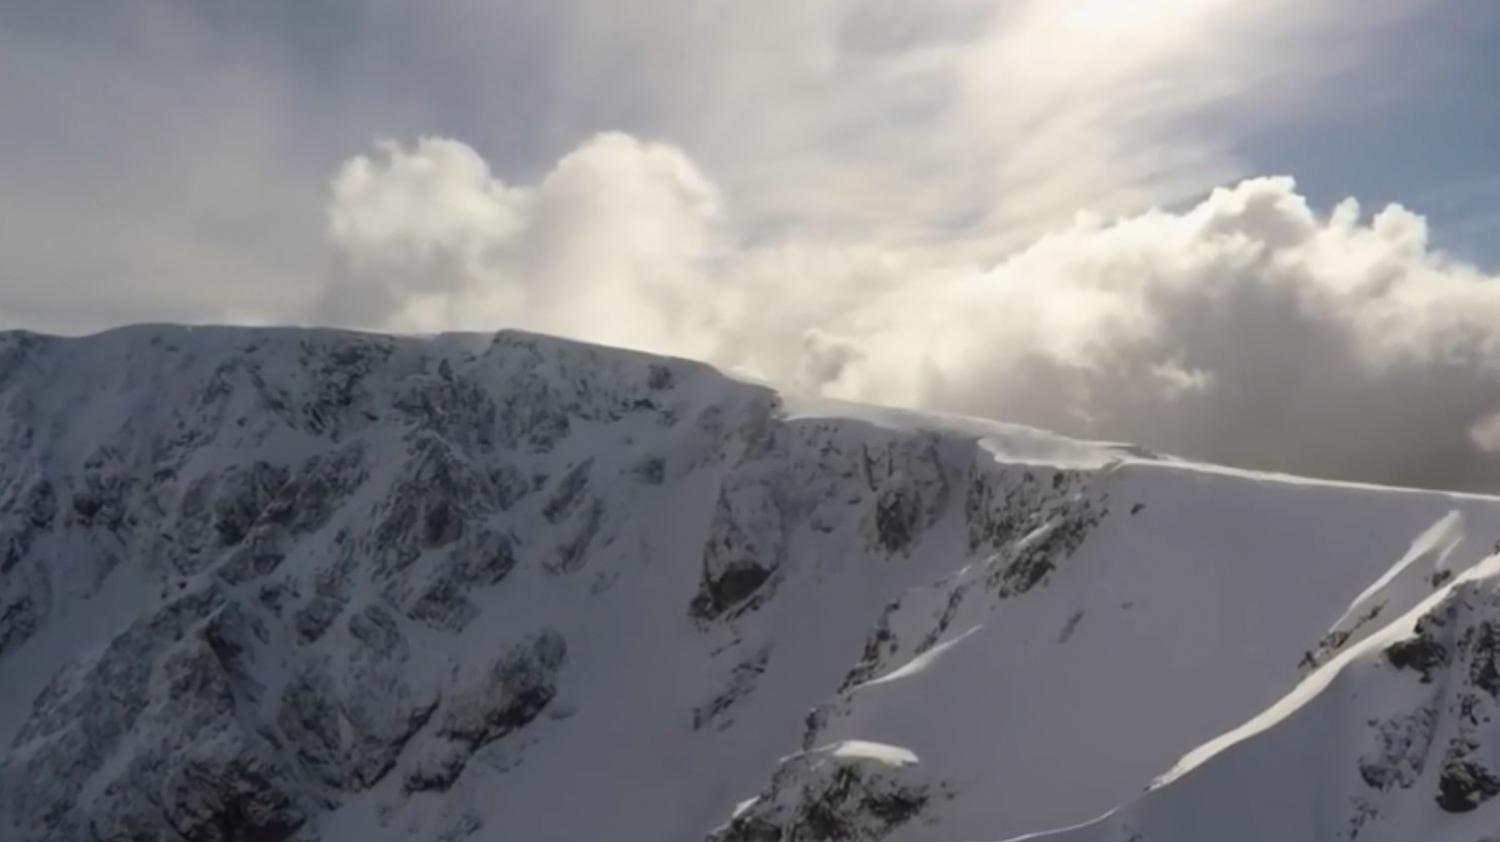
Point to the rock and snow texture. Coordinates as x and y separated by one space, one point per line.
1393 739
283 586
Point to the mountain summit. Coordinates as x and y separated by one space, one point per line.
294 585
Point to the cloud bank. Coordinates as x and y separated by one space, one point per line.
618 236
172 156
868 198
1248 328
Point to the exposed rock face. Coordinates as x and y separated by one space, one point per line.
848 791
746 545
286 586
1032 523
310 528
1413 706
288 522
515 690
1399 754
718 711
1456 649
1025 523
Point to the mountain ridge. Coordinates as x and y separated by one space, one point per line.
291 584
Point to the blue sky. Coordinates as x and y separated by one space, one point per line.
1419 126
1059 213
1386 110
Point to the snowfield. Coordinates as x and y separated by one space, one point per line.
291 585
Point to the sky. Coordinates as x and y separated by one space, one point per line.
1266 234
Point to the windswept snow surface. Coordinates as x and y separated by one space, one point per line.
1391 740
294 585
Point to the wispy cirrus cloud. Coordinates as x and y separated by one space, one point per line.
1247 328
1002 209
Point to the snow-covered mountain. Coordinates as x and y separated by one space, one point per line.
269 585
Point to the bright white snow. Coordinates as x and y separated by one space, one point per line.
1026 629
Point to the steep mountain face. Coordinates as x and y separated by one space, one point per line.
270 585
1394 739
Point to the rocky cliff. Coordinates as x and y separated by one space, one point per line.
283 585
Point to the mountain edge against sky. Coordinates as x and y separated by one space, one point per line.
282 585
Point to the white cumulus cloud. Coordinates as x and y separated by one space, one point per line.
1249 328
616 237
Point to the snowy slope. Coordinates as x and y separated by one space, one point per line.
292 585
1393 738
